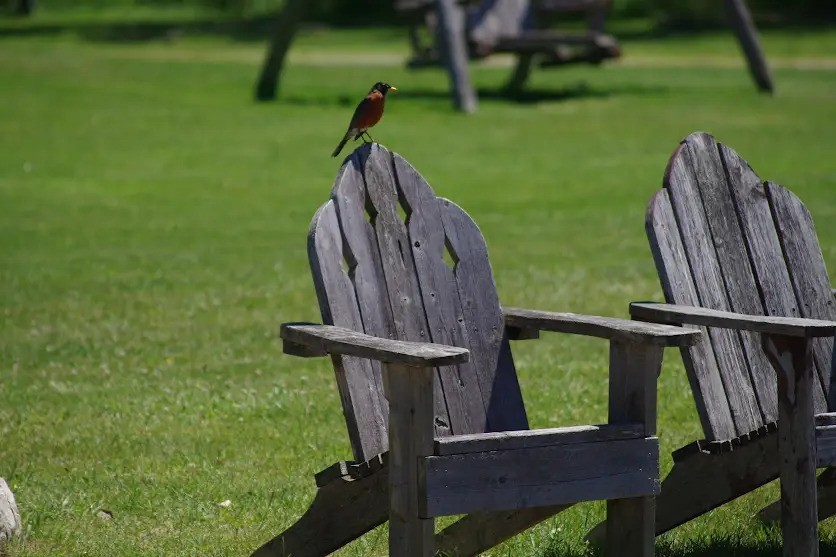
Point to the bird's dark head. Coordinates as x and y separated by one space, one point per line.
383 87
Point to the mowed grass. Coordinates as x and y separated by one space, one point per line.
152 238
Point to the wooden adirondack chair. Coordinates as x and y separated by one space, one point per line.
740 258
424 368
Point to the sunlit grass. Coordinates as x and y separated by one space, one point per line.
152 237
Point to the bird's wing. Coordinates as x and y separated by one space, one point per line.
364 105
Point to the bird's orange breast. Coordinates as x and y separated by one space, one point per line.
373 111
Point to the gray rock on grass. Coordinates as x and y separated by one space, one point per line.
9 516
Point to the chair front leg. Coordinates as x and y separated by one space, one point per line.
792 358
634 369
410 394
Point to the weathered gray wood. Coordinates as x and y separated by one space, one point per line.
634 369
792 359
343 510
701 481
826 495
807 269
350 470
682 181
327 339
365 273
825 419
744 27
677 284
439 292
733 257
507 440
400 280
767 259
490 350
451 24
825 446
359 383
504 480
696 315
478 532
601 327
410 439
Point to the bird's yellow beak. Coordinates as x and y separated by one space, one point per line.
393 88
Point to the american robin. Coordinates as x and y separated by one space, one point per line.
367 114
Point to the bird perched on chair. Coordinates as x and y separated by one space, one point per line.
367 114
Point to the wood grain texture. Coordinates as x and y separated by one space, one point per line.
683 181
807 270
482 314
358 381
410 440
504 480
696 315
792 359
825 446
508 440
601 327
702 481
634 369
678 286
327 339
400 280
767 260
440 295
733 257
365 273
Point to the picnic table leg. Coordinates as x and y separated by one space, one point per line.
451 30
410 394
792 359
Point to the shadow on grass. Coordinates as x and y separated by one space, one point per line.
578 91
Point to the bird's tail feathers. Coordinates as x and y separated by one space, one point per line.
341 145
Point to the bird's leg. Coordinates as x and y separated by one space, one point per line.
366 133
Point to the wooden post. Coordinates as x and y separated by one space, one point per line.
792 358
634 369
286 25
410 394
747 34
451 30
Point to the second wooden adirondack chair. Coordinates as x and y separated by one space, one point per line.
429 391
740 258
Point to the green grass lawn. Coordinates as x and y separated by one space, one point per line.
152 238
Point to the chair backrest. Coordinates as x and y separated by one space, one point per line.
722 239
377 254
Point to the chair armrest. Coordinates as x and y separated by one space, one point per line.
603 327
310 339
694 315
